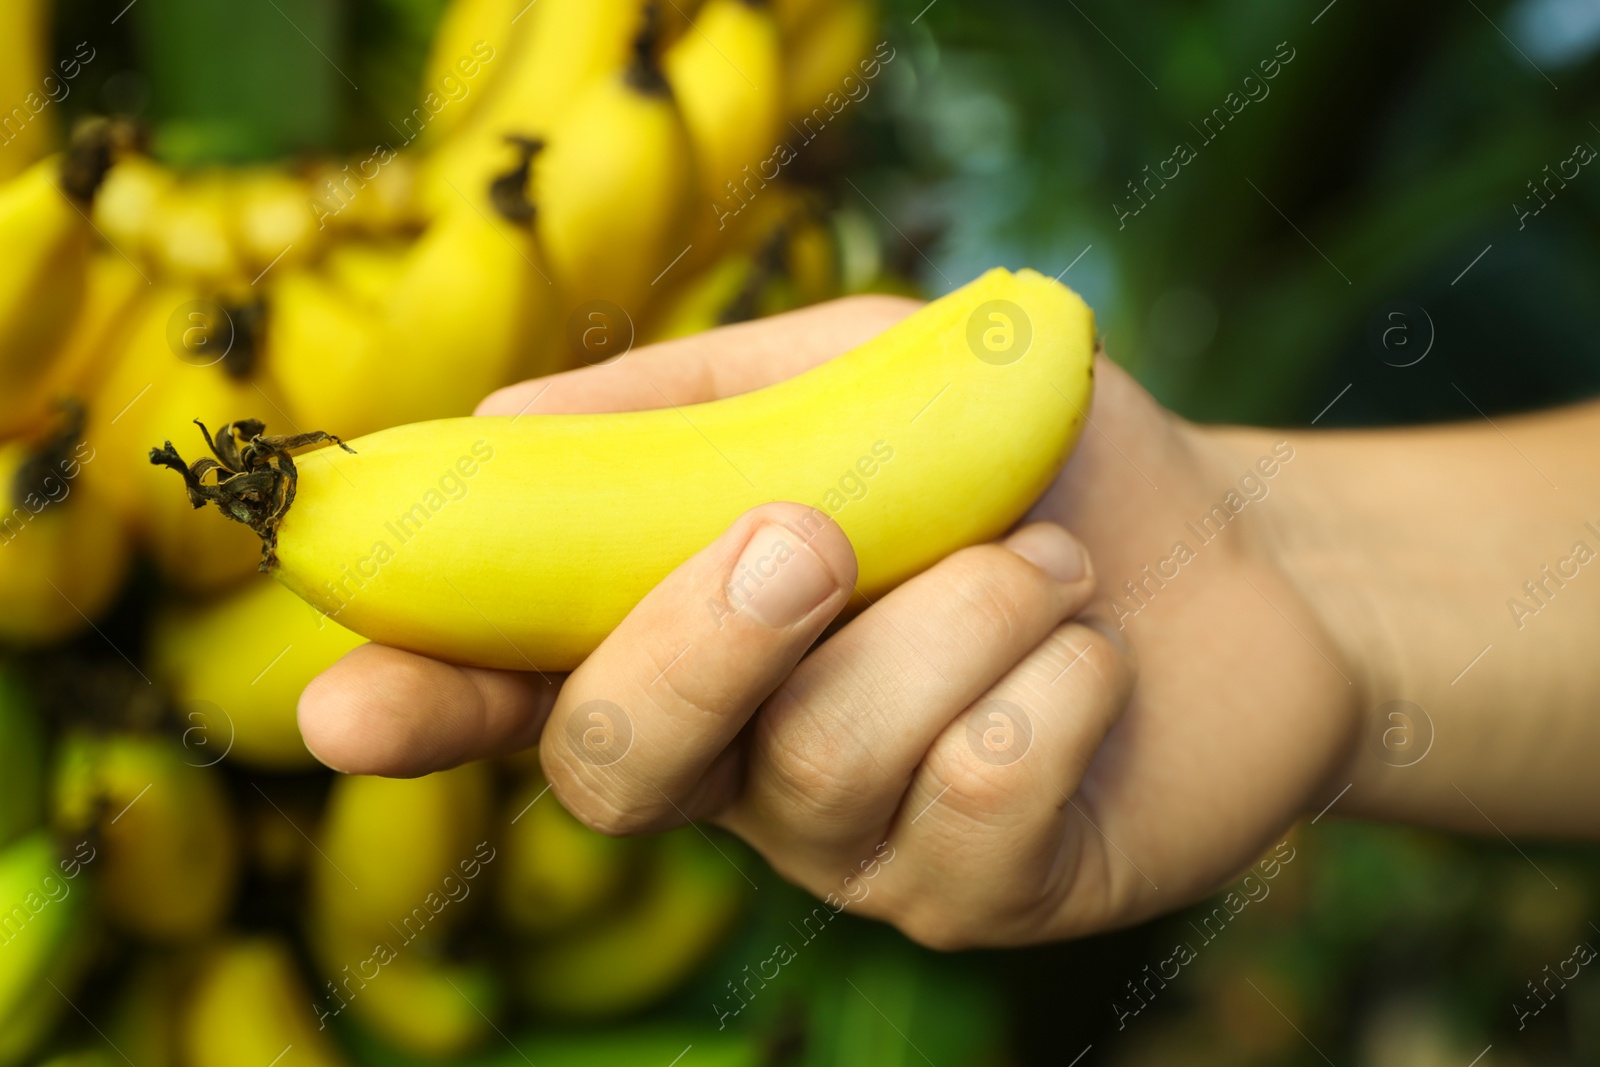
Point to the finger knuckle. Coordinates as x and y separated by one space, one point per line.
810 766
999 593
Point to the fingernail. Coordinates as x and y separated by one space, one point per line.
778 580
1052 550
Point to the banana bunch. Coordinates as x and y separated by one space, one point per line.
181 860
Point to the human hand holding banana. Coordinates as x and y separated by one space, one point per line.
977 719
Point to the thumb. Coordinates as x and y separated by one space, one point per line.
637 739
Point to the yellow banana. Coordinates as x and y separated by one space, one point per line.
21 761
272 222
191 233
113 288
391 843
543 62
522 542
424 1006
371 195
236 667
727 75
250 1006
826 51
471 50
63 551
45 232
166 832
27 125
690 901
365 272
404 856
45 937
783 258
795 15
184 358
558 873
129 203
613 188
460 319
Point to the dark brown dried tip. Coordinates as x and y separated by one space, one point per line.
90 153
509 192
256 475
50 457
644 72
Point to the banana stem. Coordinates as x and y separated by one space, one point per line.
509 192
52 456
645 73
89 156
256 475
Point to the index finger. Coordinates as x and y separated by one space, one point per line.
708 366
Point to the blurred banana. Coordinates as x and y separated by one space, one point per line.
469 32
691 898
45 232
63 552
191 233
22 785
45 937
425 1006
143 1024
552 53
165 829
558 873
403 856
458 320
825 52
727 76
128 203
390 844
29 125
250 1006
248 656
794 15
184 358
272 223
112 290
614 185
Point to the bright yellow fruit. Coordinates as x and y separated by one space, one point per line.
113 289
540 65
521 542
151 393
46 238
63 550
249 1006
829 49
235 668
422 335
612 189
29 117
164 825
727 76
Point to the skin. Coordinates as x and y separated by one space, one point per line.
1145 756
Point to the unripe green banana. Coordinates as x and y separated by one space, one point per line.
22 786
167 834
690 901
45 937
557 872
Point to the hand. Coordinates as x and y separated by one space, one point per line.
980 725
